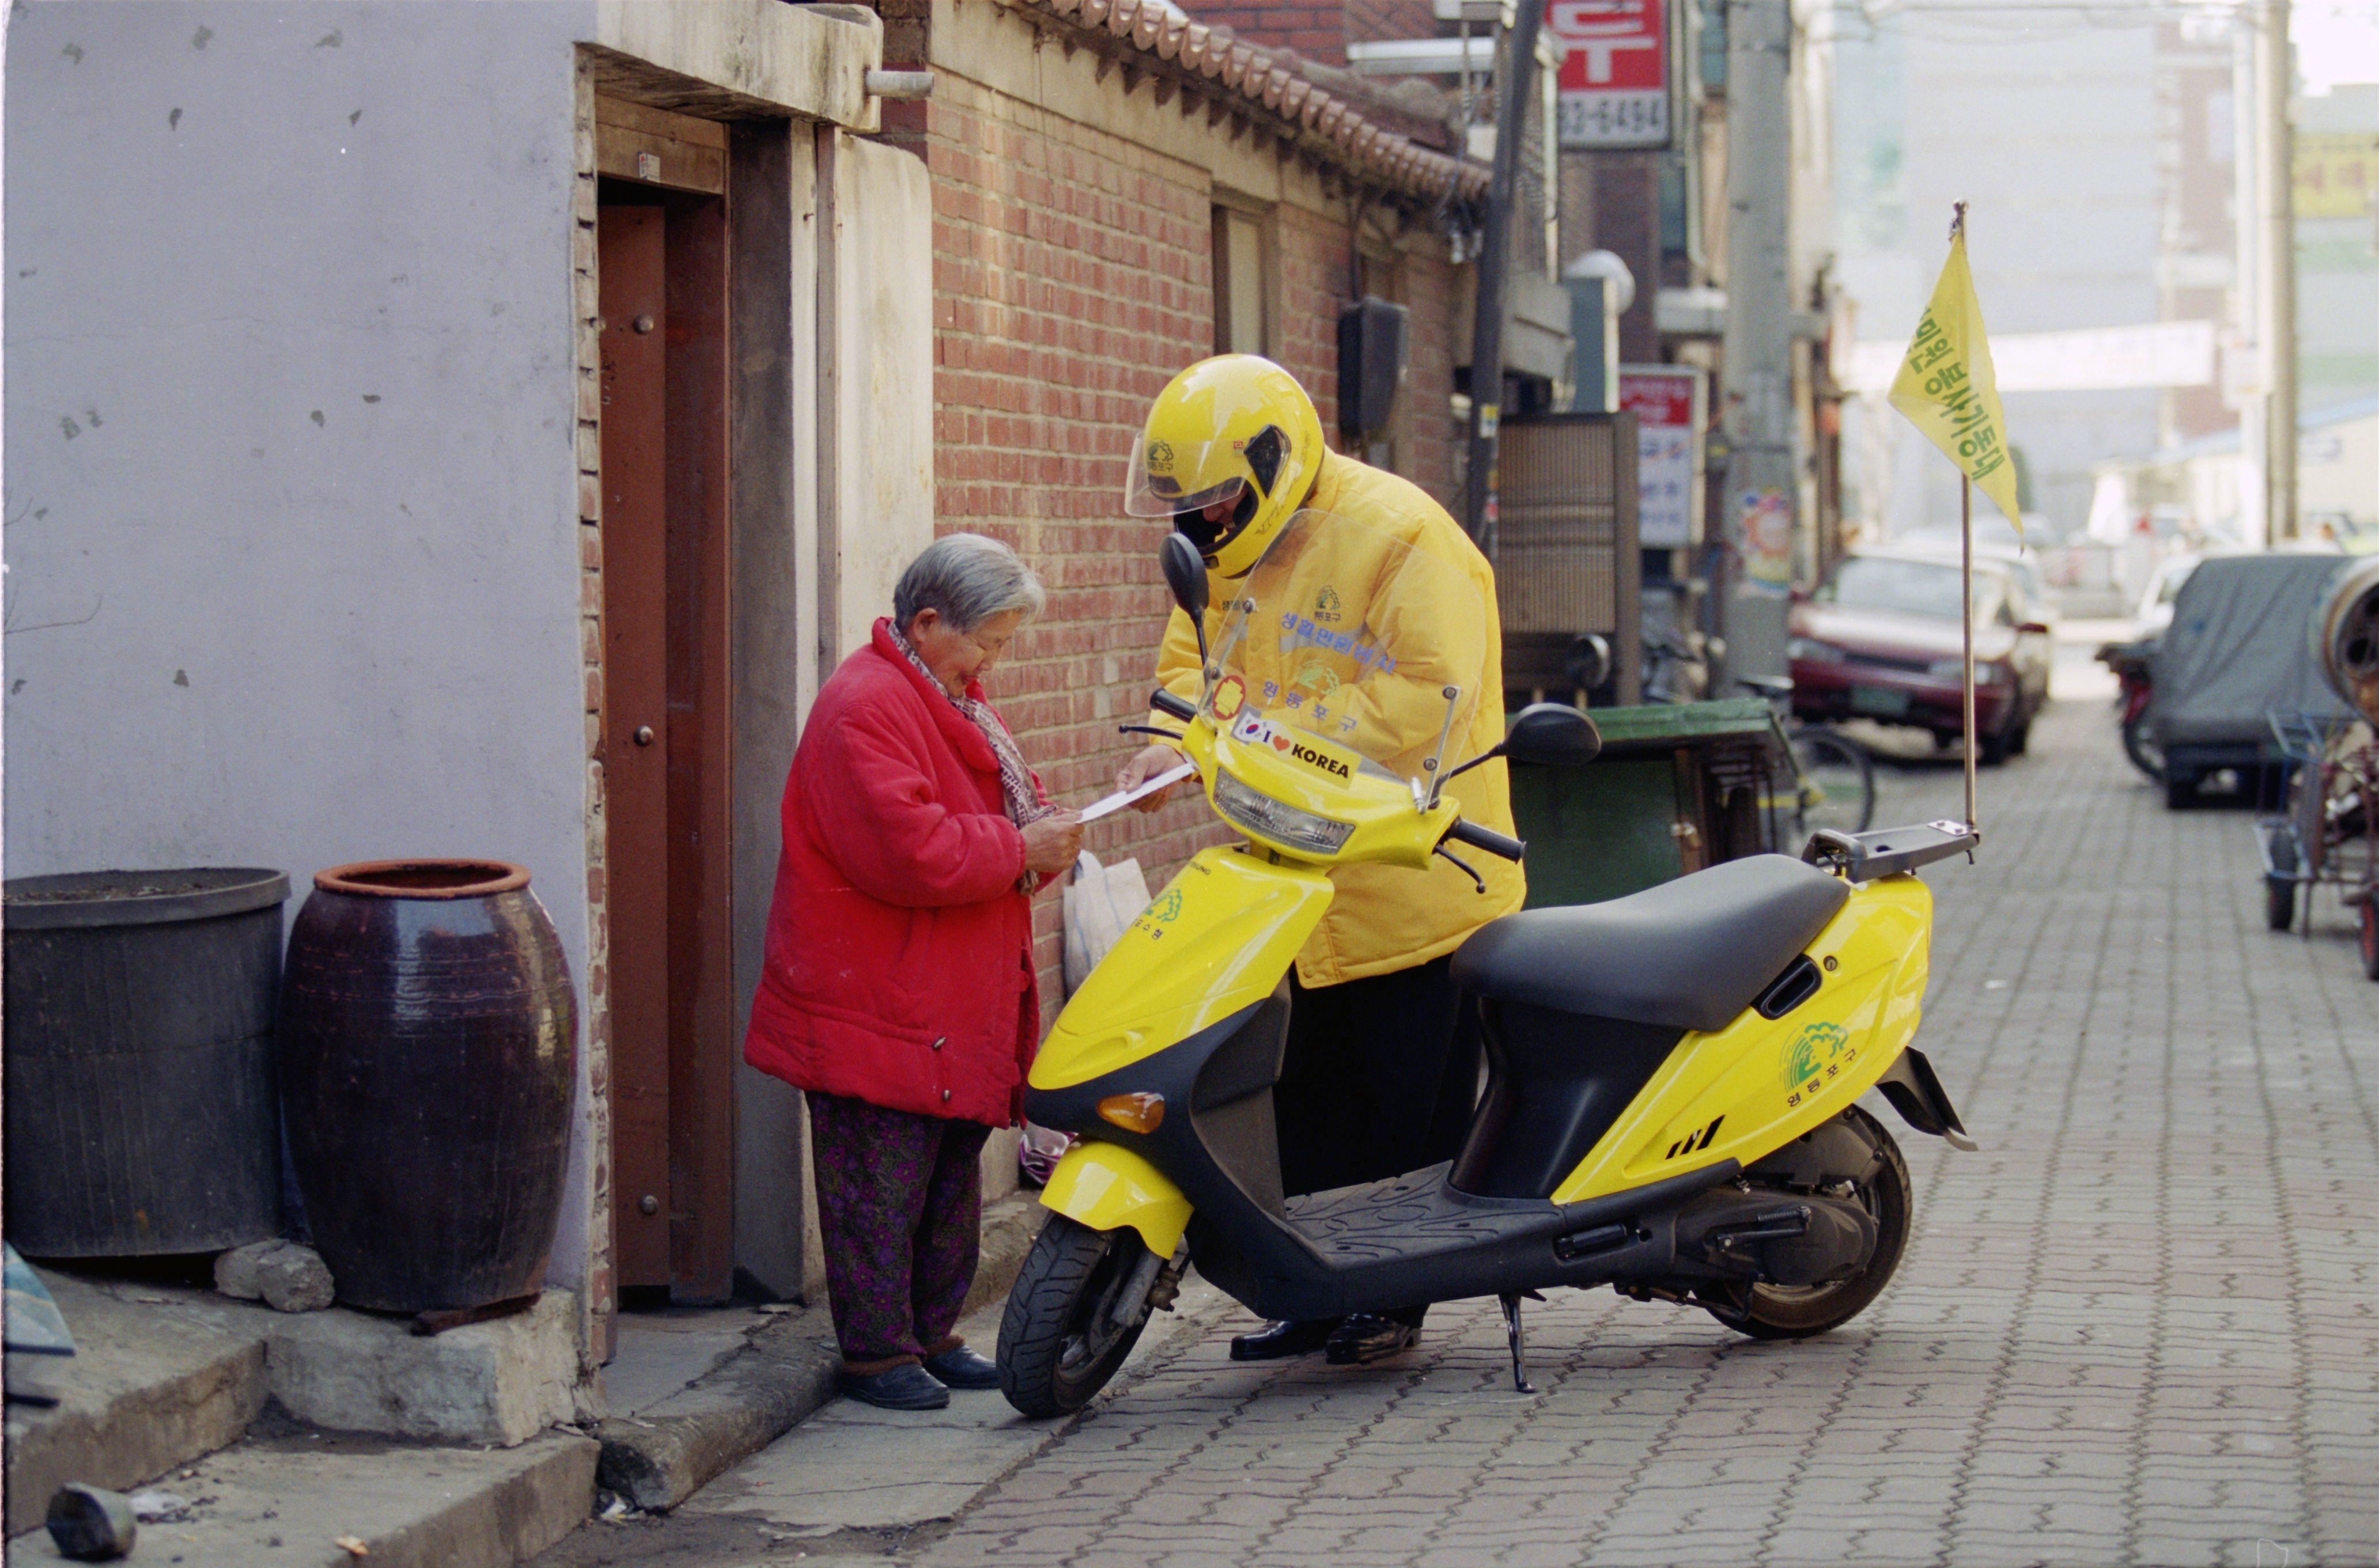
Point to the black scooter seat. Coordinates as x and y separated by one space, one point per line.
1688 954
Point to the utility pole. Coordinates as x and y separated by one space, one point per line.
2276 213
1515 71
1761 512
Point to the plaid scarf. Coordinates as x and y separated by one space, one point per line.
1022 802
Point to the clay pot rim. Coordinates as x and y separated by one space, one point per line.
369 879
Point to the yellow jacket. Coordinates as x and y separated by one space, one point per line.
1387 918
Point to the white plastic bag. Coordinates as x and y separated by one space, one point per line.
1099 901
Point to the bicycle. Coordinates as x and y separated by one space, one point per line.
1833 776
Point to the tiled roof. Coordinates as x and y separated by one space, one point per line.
1270 87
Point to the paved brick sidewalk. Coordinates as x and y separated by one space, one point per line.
2139 1328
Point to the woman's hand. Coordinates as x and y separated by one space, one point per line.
1052 842
1149 762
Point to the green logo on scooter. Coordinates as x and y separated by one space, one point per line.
1169 908
1812 1050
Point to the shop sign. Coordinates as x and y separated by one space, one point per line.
1615 80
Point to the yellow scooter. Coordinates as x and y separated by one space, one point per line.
1670 1102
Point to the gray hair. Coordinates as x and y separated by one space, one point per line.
968 578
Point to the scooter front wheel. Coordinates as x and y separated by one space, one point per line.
1069 1325
1767 1311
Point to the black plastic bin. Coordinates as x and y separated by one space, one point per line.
142 1115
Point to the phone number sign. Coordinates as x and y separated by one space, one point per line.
1615 80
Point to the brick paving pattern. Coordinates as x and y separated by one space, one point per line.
2138 1328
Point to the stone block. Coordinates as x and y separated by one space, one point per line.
500 1381
235 1269
283 1275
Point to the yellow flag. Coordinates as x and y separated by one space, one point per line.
1948 390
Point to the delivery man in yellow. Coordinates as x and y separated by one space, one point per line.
1380 1069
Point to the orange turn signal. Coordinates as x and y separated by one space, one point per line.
1134 1113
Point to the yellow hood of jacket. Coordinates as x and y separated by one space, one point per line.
1387 918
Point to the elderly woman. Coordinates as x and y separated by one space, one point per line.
899 988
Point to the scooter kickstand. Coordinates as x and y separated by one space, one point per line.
1510 1300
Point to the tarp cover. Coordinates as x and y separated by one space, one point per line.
2240 649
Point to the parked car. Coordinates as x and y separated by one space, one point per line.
2025 565
1880 638
2238 656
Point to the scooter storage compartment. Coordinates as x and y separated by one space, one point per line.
1556 1081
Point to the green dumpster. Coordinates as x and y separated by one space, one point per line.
1677 788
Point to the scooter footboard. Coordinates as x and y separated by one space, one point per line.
1412 1240
1106 1187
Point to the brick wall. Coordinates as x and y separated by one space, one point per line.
1316 32
1072 277
1374 21
594 1299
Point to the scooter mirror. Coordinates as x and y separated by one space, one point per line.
1545 734
1185 573
1553 735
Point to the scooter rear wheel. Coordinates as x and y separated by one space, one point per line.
1767 1311
1068 1329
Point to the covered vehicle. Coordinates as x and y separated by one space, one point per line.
1881 638
2239 654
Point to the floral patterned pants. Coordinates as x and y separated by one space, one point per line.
899 1216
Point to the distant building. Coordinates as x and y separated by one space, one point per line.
2048 126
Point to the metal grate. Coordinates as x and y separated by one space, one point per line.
1567 558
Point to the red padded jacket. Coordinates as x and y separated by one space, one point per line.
899 968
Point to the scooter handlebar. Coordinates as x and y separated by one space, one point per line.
1179 707
1487 838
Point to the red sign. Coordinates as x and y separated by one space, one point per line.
1666 401
1656 399
1615 80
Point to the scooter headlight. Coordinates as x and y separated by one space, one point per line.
1283 824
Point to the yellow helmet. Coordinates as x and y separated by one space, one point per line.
1236 427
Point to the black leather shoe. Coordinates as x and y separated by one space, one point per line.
905 1387
1367 1336
1276 1342
959 1367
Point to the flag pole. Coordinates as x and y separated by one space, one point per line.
1966 578
1966 598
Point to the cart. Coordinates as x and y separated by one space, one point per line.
2329 831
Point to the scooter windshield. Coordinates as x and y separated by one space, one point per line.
1348 634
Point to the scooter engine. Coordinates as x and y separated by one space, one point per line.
1773 1237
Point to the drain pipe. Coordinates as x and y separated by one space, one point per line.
1515 83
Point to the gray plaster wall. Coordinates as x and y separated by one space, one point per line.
291 494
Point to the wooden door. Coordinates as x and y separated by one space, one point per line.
661 260
631 254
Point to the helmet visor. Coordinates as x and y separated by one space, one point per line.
1171 477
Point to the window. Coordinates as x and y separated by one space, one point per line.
1242 282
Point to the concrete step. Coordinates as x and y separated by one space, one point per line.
852 1473
152 1385
658 1453
289 1496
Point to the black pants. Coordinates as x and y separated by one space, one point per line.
1379 1078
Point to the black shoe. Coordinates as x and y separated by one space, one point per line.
959 1367
1367 1336
905 1387
1276 1342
